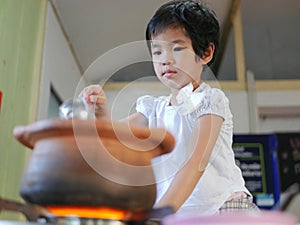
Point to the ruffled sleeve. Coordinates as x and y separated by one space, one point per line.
214 102
145 105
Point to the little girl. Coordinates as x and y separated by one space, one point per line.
199 175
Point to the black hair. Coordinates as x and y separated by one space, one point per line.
198 22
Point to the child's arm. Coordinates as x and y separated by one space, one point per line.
203 139
95 96
136 119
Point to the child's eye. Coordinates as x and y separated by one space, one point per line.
156 52
176 49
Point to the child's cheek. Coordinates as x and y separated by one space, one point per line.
157 69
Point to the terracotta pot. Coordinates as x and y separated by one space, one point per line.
94 163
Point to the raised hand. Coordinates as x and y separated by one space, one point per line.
96 98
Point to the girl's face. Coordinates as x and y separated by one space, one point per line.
174 60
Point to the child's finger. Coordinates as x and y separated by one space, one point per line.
91 90
96 99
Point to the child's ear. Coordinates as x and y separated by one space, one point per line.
208 54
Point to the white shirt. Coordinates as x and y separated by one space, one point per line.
222 177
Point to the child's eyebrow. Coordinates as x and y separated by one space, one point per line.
178 41
156 44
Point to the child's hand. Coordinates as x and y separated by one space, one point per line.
95 97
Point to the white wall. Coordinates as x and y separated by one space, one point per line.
59 67
281 99
265 99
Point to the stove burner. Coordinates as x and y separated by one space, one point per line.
150 217
69 215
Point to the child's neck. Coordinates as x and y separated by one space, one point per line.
173 100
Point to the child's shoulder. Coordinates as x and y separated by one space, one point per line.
211 92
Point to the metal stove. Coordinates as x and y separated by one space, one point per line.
70 215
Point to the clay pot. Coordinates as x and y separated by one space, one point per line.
91 163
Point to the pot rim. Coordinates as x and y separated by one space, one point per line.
30 134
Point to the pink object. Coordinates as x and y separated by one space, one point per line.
89 100
234 218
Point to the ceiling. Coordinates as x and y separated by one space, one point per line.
271 31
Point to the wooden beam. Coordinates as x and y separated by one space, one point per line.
225 32
239 52
68 40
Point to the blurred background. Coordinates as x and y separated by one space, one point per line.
50 50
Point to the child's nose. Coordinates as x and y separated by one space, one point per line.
168 59
165 63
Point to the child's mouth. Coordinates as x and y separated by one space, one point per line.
168 73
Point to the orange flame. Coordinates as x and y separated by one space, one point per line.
88 212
